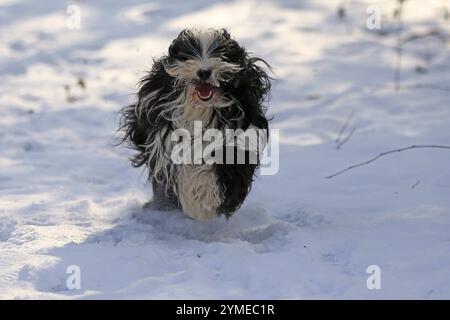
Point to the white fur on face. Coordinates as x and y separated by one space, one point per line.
191 107
186 71
191 111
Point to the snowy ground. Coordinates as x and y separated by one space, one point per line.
69 197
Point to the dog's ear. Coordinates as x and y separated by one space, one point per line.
174 48
141 120
252 90
256 78
155 88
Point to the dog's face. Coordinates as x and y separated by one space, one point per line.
205 63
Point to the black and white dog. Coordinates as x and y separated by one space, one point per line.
206 76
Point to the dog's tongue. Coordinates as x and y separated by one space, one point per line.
205 91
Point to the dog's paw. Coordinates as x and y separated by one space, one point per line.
160 206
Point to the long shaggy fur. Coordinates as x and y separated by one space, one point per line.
167 100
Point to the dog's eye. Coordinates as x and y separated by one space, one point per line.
226 78
175 58
176 53
180 56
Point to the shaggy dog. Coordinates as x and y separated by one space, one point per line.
206 78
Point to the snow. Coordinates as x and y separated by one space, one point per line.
68 196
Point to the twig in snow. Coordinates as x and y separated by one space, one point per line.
398 65
423 146
431 86
415 184
436 33
345 140
339 141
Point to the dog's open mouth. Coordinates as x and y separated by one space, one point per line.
205 91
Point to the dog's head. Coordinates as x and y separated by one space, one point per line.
206 62
205 70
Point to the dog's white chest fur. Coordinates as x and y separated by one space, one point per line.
197 184
198 191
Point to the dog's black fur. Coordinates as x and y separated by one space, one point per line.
250 88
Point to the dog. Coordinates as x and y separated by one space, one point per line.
206 77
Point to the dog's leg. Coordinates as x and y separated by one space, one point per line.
161 200
198 191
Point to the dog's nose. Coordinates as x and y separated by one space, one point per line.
204 74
